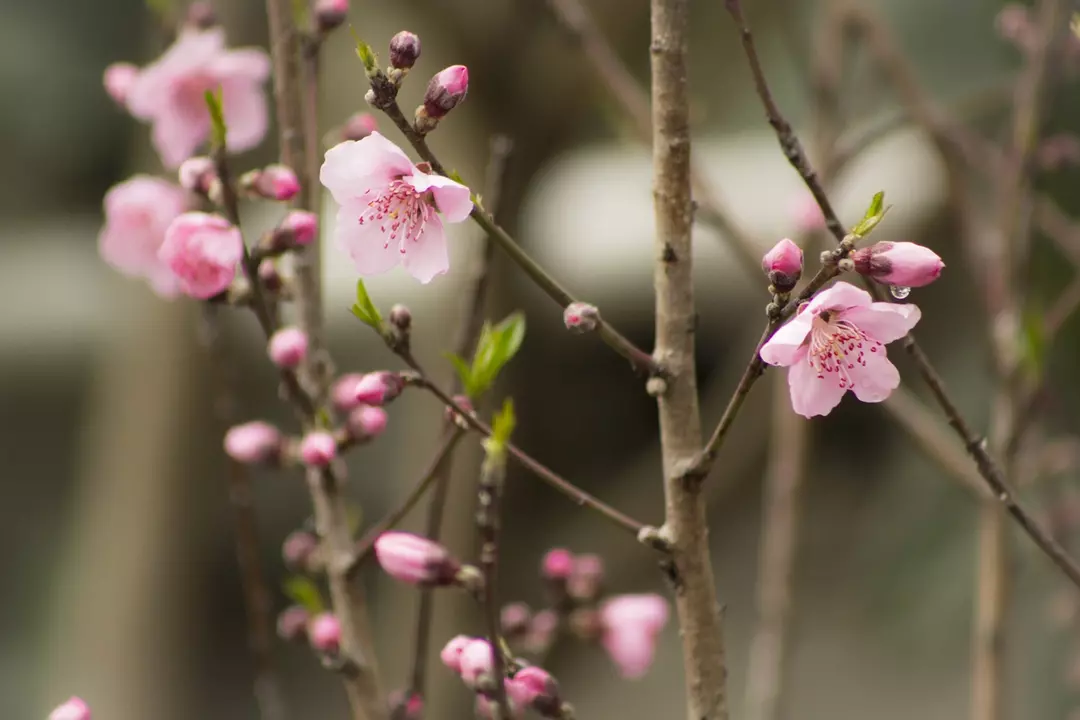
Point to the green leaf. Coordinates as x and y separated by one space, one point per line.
305 593
366 54
873 215
502 426
496 347
217 117
453 175
464 372
365 309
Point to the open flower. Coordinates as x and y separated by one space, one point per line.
137 214
390 208
170 94
837 343
631 624
203 252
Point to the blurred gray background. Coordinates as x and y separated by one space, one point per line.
119 579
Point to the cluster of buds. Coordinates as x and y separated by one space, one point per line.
473 659
273 182
419 561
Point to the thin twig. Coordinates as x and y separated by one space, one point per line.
766 677
634 99
974 444
685 524
489 502
641 361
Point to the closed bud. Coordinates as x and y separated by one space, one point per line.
581 317
298 549
415 560
367 422
273 182
404 50
269 275
451 652
359 126
292 624
74 709
783 265
557 564
300 227
535 687
329 14
401 318
288 347
318 449
631 624
406 705
253 442
324 633
465 404
478 664
378 388
541 633
119 79
514 620
586 578
901 264
343 392
446 90
201 15
197 174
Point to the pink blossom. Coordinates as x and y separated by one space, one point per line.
343 392
273 182
406 705
631 624
451 652
808 216
288 347
253 442
414 559
197 174
359 126
203 252
367 422
514 618
301 225
478 664
137 214
298 548
837 343
557 564
390 209
169 93
318 448
898 263
783 265
324 633
74 709
581 317
586 577
292 623
119 79
378 388
446 90
534 687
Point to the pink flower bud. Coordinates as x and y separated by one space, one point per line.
324 633
445 90
203 252
783 265
253 442
197 173
288 347
298 228
401 317
541 631
367 422
119 79
406 705
201 15
534 687
298 548
273 182
359 126
514 619
318 449
74 709
557 564
404 50
902 264
292 623
330 13
478 664
378 388
451 652
586 577
343 392
414 559
269 275
581 317
631 624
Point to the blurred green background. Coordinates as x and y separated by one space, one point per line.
119 578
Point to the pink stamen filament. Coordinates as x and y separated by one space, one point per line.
401 211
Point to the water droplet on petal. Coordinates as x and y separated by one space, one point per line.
899 292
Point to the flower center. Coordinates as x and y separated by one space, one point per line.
837 346
400 212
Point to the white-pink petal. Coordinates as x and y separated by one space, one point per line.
812 395
840 296
452 198
884 321
874 381
427 256
352 167
786 347
366 244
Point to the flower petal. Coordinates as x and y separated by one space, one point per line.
367 245
874 381
840 296
786 346
247 63
453 198
353 167
812 395
176 137
246 114
884 321
427 256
